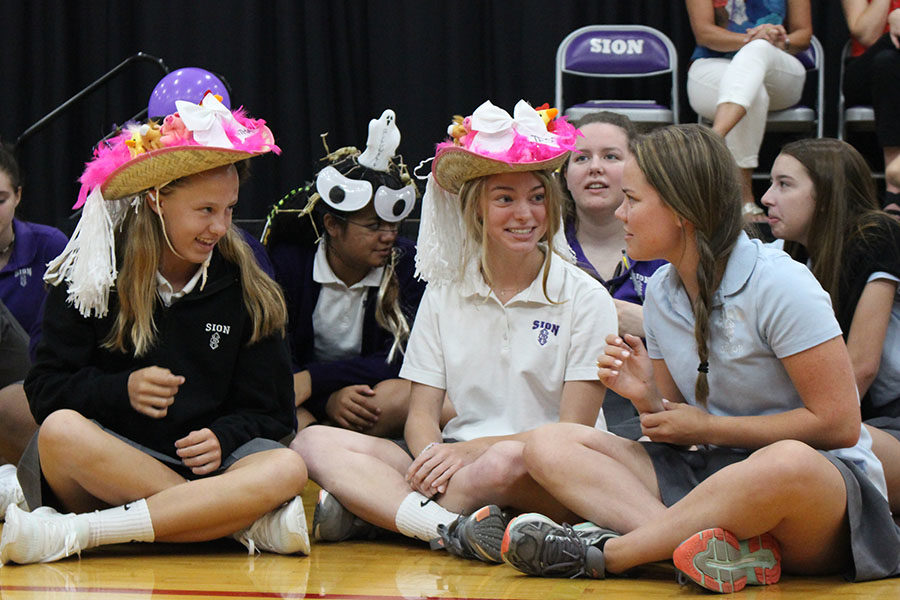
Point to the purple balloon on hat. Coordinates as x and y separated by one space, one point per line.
187 83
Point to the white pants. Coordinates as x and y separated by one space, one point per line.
760 78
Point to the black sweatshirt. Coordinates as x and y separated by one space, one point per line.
239 392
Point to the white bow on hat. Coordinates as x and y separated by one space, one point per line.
207 121
495 130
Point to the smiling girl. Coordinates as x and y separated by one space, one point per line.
161 387
507 329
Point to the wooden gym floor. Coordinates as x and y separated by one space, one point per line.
384 570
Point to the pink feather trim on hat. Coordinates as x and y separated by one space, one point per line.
110 155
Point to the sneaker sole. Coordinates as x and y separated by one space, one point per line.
484 531
716 560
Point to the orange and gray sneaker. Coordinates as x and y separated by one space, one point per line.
717 560
478 535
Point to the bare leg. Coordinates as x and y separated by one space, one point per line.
17 426
787 489
887 448
304 418
892 168
366 473
499 476
727 116
603 478
106 471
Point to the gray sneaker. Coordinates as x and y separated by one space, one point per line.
334 523
536 545
478 535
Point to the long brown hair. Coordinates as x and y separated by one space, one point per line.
140 245
846 207
693 172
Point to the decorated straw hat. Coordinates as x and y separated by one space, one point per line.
197 138
488 142
142 157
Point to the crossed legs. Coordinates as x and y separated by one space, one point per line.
787 489
89 469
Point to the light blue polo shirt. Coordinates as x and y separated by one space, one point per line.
768 306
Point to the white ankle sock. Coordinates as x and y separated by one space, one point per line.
127 523
418 517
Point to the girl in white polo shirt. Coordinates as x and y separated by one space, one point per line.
508 329
758 460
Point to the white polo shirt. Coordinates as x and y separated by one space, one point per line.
504 366
338 316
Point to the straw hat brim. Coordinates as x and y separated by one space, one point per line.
158 167
453 166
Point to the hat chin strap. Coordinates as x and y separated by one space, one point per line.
204 266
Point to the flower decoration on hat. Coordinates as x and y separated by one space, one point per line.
490 141
140 158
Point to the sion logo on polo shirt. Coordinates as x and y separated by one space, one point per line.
217 332
22 274
545 329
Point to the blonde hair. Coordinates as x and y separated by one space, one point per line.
694 173
140 245
473 195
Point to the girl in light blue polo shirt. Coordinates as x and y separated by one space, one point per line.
758 460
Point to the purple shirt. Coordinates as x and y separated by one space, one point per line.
630 281
22 279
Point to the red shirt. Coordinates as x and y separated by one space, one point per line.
855 47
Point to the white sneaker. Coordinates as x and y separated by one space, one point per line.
40 536
282 531
10 490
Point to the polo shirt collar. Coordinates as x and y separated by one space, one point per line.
473 283
741 263
739 268
323 273
24 248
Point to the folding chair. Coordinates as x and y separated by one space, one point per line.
854 118
617 51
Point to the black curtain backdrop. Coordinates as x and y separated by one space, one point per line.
307 67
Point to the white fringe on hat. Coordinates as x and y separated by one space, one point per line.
443 250
88 262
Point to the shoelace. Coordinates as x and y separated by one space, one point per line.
567 545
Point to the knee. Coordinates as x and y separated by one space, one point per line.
892 172
885 65
499 468
541 446
787 465
753 51
311 441
285 472
62 431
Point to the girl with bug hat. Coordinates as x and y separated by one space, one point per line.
349 283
